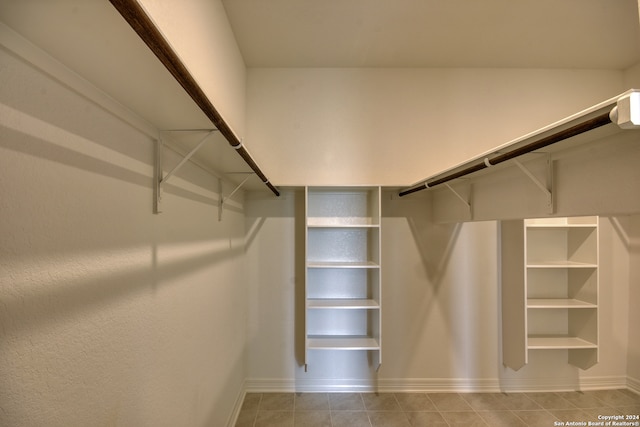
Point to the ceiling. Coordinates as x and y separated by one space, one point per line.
600 34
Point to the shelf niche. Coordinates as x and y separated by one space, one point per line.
549 289
343 310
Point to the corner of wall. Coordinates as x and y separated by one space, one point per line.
631 77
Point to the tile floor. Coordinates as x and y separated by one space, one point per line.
434 409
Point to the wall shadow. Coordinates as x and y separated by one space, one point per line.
71 296
137 172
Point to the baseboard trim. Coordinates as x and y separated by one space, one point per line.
563 384
237 406
437 385
633 384
265 385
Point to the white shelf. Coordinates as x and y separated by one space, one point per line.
342 303
337 223
558 343
560 264
561 226
558 303
563 222
342 343
358 206
342 264
342 270
551 301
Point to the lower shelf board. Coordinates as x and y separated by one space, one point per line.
558 342
342 264
558 303
343 303
333 342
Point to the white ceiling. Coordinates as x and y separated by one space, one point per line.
437 33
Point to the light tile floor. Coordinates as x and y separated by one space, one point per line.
435 409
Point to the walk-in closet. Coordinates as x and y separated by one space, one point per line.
219 213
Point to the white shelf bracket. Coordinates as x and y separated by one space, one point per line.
459 196
546 189
223 199
159 177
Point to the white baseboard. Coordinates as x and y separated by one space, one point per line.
563 384
633 384
266 385
237 406
435 385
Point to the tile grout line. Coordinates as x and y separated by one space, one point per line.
365 409
406 417
255 418
472 408
364 405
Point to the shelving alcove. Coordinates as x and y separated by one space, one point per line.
343 309
550 289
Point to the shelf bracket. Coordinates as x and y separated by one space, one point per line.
459 196
160 178
546 189
157 176
223 199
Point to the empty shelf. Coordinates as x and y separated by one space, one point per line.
558 303
556 226
560 264
338 224
343 303
557 342
342 264
342 343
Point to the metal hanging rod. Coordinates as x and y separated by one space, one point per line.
142 24
623 111
487 162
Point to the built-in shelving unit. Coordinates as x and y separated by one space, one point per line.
342 271
550 289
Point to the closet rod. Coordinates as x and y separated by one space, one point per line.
585 126
142 24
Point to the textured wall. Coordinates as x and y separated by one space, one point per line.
441 308
109 315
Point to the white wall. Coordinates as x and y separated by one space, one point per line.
634 301
201 35
599 177
110 315
398 126
441 325
632 77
